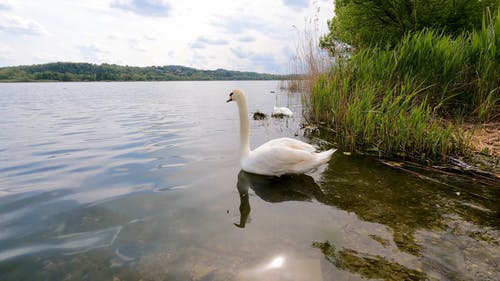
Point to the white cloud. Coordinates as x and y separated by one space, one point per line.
212 41
5 49
150 38
5 53
46 58
202 34
240 25
202 42
93 53
6 5
155 8
20 26
246 39
296 4
198 45
137 45
263 61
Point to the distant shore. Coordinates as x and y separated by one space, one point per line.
86 72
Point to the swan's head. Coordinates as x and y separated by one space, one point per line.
235 95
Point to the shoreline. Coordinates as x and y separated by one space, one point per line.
476 163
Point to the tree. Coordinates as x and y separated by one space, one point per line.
362 23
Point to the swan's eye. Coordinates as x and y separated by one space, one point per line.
231 94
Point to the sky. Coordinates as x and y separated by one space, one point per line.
253 35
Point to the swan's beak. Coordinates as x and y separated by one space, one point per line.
230 97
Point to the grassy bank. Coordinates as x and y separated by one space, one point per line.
410 100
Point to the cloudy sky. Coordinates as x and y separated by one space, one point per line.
253 35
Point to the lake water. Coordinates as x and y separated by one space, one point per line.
141 181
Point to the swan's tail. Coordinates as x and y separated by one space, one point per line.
324 157
320 158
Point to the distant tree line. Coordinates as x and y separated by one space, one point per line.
69 71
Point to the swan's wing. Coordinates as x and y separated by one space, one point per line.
278 160
290 143
284 156
287 111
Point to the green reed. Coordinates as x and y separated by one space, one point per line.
388 120
399 102
402 101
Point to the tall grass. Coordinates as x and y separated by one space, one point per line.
386 119
395 101
309 61
461 75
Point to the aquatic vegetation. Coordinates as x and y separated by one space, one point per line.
387 120
368 266
399 101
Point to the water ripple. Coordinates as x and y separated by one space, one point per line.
69 243
41 170
87 146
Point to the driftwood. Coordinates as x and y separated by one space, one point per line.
458 166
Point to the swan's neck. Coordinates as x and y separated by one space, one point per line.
244 128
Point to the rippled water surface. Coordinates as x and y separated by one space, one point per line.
131 181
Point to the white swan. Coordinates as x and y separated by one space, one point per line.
275 157
281 110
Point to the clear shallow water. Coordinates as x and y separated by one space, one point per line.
141 181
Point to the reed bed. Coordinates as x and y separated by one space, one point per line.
405 101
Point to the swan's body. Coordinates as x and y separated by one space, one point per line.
282 111
275 157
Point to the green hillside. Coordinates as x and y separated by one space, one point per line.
69 71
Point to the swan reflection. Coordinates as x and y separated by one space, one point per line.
274 189
243 186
